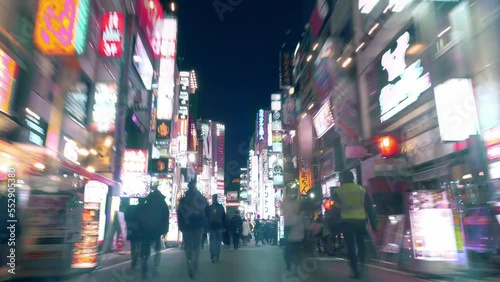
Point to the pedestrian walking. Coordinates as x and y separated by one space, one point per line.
236 229
258 230
134 231
153 219
355 208
226 233
294 228
246 233
192 220
217 222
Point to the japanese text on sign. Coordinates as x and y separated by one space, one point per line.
113 26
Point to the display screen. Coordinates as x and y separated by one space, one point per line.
323 120
142 63
432 227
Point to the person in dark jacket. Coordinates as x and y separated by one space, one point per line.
133 231
236 229
226 233
217 222
192 220
355 209
153 218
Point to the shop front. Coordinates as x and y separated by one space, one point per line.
423 166
60 208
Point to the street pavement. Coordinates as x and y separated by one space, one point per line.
249 264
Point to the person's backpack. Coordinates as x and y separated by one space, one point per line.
215 215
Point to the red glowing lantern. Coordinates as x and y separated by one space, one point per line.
388 146
328 204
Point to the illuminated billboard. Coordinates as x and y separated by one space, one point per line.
134 173
323 120
61 26
104 110
166 81
184 95
404 84
220 153
112 29
149 14
8 75
456 109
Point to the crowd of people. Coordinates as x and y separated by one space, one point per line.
200 221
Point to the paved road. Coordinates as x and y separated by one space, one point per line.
249 264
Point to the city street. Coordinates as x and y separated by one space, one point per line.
248 264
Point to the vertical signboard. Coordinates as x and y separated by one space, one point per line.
261 126
112 28
286 66
183 112
277 123
150 15
8 75
184 95
305 176
220 154
166 81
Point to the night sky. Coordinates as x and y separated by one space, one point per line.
236 58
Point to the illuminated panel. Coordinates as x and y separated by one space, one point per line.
166 81
149 15
8 74
323 120
410 81
456 109
112 28
61 26
104 110
220 152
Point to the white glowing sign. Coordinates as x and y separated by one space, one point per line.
135 161
166 82
395 97
323 120
456 109
184 95
104 112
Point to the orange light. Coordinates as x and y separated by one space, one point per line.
328 204
388 146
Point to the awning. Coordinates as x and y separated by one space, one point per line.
43 153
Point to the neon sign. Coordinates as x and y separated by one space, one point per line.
8 74
61 26
113 26
135 161
395 97
104 112
261 130
150 15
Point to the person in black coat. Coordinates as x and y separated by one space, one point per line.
153 219
236 229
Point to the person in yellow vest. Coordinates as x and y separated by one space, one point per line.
355 208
